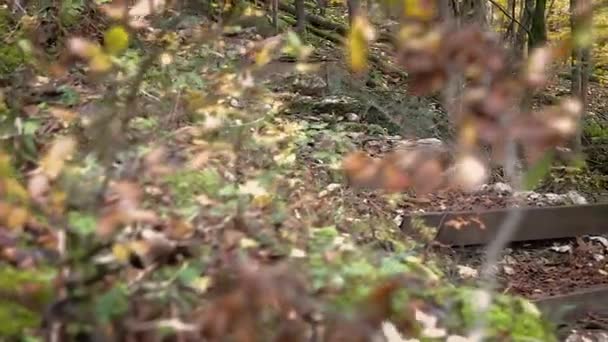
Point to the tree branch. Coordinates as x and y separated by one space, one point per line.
506 13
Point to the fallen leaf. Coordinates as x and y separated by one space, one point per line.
53 161
359 37
147 7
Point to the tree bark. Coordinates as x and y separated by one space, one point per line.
538 27
527 8
275 15
353 9
580 23
510 31
475 11
300 17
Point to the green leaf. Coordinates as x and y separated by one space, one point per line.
189 274
116 40
84 224
69 96
537 172
30 127
112 304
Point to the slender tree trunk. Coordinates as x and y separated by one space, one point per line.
353 9
275 15
580 22
527 8
300 17
475 11
510 31
538 29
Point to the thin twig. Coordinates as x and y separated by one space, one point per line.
504 11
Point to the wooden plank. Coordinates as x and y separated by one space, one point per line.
575 305
477 228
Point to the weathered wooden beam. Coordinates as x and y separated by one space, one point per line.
478 228
575 305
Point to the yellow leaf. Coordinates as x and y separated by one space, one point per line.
121 252
17 217
5 165
201 284
100 63
419 9
468 134
262 57
262 201
61 150
57 202
248 243
116 40
360 35
14 190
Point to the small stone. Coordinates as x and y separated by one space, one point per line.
561 249
467 272
600 239
352 117
502 188
235 103
398 220
576 198
509 260
554 199
598 257
430 142
508 270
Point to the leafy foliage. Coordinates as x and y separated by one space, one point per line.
160 177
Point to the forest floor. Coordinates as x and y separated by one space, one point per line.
278 194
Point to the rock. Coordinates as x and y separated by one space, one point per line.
554 199
508 270
466 272
502 188
575 198
426 142
587 336
561 249
235 103
337 104
352 117
309 84
523 194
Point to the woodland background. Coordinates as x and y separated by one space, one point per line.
200 170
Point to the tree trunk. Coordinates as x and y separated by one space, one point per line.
275 15
353 9
538 29
580 22
510 31
475 11
300 17
522 33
